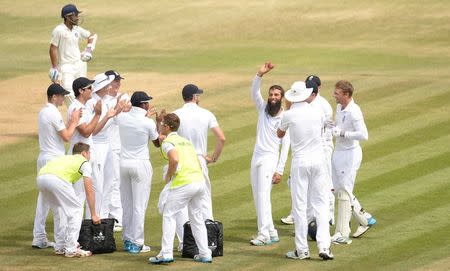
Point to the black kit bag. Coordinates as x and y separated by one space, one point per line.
98 238
215 239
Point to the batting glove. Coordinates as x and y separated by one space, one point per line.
53 74
338 132
86 55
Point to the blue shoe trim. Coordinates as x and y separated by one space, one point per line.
126 245
203 260
134 249
155 260
372 221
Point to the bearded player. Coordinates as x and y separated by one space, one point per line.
267 164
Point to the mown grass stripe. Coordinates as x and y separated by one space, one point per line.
408 111
399 144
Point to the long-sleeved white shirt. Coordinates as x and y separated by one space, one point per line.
267 141
351 121
321 104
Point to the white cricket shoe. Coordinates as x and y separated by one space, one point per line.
145 249
261 241
78 253
325 254
43 244
288 220
338 239
298 256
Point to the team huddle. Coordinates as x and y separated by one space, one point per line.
107 170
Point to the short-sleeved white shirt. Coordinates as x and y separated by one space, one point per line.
194 125
86 117
103 136
135 131
321 104
305 124
114 132
66 41
50 122
86 170
346 120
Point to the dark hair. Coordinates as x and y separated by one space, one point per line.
279 88
188 98
80 147
172 120
345 86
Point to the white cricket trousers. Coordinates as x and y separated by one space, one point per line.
102 178
207 209
59 194
328 150
308 175
345 165
261 172
182 217
112 203
42 209
135 185
193 196
69 72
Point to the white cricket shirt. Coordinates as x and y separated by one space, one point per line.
50 122
194 125
305 125
103 136
321 104
267 141
86 117
114 130
135 131
66 41
351 120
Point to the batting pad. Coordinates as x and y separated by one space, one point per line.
360 216
344 213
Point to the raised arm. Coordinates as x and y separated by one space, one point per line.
256 85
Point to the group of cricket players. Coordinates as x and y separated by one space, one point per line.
107 170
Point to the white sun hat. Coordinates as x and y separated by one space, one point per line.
298 92
101 80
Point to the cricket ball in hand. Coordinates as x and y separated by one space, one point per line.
270 65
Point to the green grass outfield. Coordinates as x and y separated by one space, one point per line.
396 53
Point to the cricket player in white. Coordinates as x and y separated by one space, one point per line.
65 57
55 182
195 122
323 106
101 137
186 187
82 88
52 135
136 129
112 202
268 163
349 130
308 170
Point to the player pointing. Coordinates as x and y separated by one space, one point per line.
68 63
